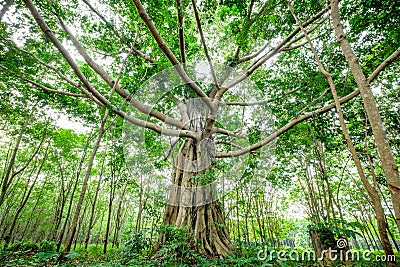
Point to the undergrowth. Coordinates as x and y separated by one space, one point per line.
178 250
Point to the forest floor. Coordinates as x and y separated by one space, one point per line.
30 254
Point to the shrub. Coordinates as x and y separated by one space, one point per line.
178 246
45 245
23 246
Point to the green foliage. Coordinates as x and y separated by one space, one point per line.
45 245
23 246
250 256
135 246
178 246
73 255
327 230
203 179
47 255
254 134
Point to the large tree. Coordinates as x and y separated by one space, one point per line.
75 49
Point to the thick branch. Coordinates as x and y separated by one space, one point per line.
41 86
301 36
5 8
249 57
266 57
155 127
203 41
308 115
103 74
288 48
171 57
385 63
99 99
284 129
181 33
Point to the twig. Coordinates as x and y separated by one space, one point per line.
267 56
104 75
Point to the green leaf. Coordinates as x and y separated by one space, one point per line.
47 254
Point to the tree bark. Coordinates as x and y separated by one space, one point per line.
93 208
372 192
389 165
6 180
25 198
205 221
74 223
110 206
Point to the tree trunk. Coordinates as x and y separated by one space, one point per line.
110 205
201 213
238 235
74 222
25 198
139 215
389 165
372 192
93 208
6 180
323 240
64 227
34 214
119 218
81 222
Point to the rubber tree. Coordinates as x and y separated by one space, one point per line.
372 191
387 159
